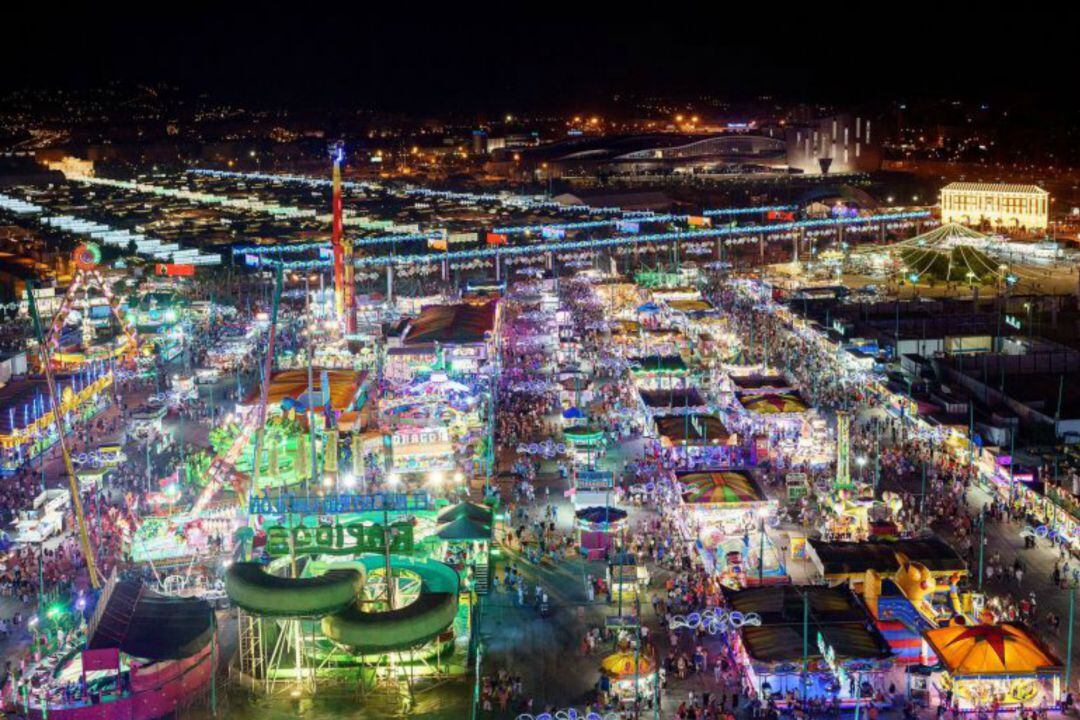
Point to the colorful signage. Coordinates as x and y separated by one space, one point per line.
594 480
337 503
174 270
353 538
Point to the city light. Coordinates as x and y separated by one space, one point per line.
337 377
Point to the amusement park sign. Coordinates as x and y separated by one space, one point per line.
336 503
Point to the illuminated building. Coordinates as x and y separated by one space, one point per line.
1020 206
72 166
834 144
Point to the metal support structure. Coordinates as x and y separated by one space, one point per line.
58 421
268 368
843 450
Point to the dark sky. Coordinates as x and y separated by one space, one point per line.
519 54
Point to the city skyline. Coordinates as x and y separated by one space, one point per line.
517 58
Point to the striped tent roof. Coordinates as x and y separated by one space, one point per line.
720 487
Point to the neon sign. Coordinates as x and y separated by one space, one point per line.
336 503
353 538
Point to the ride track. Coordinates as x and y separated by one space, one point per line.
333 593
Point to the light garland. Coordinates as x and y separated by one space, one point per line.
713 621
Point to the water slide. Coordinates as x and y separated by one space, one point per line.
331 591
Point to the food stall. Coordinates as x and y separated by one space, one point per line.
622 670
44 519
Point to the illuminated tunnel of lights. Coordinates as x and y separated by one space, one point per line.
599 243
512 201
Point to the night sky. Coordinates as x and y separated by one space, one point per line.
522 55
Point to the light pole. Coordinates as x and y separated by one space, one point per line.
1069 643
922 493
761 546
982 543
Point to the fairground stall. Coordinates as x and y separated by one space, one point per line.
142 655
697 440
626 577
786 431
597 528
26 418
996 667
827 629
654 372
629 676
839 562
728 513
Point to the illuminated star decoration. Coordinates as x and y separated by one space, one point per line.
992 635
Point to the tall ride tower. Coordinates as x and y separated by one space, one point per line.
344 304
843 451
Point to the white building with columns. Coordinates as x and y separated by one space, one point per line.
1001 205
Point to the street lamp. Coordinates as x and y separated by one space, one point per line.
762 514
861 462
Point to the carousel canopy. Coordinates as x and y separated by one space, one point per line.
621 665
1006 649
834 614
693 430
438 384
720 487
774 403
452 324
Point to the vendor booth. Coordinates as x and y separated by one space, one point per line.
730 511
623 670
596 527
847 659
989 667
626 577
698 440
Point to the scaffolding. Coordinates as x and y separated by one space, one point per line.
289 664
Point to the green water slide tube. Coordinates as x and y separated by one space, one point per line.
250 587
415 624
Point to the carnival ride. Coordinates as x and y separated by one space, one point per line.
341 616
223 469
146 656
952 253
79 306
911 602
342 248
